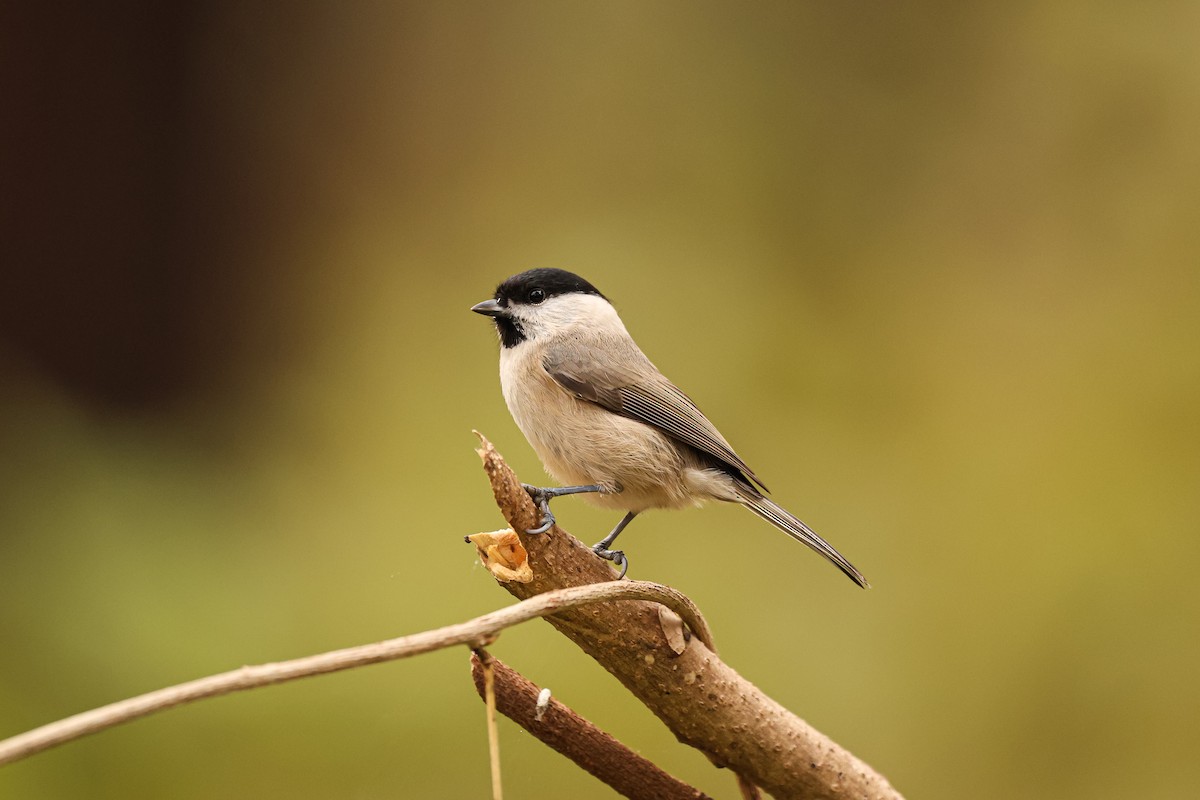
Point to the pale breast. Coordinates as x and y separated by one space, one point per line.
582 443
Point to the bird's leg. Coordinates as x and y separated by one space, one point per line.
543 496
615 556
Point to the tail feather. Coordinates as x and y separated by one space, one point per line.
775 514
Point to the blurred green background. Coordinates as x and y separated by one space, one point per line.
933 268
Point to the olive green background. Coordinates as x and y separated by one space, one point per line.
933 269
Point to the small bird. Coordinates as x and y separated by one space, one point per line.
606 422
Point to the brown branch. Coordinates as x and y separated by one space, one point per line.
475 633
578 739
703 701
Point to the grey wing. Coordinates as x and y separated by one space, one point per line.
629 385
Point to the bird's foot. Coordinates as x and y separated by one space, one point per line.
615 556
541 498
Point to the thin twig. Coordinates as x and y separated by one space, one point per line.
475 632
485 661
578 739
749 790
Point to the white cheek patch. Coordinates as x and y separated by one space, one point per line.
565 311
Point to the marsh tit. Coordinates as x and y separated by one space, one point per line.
603 419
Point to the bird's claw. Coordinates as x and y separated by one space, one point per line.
542 499
615 556
548 522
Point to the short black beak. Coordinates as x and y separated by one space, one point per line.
489 308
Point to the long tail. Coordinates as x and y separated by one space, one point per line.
775 514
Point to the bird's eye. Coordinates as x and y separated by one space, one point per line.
537 295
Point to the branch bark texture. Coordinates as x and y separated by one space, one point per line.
703 701
579 740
